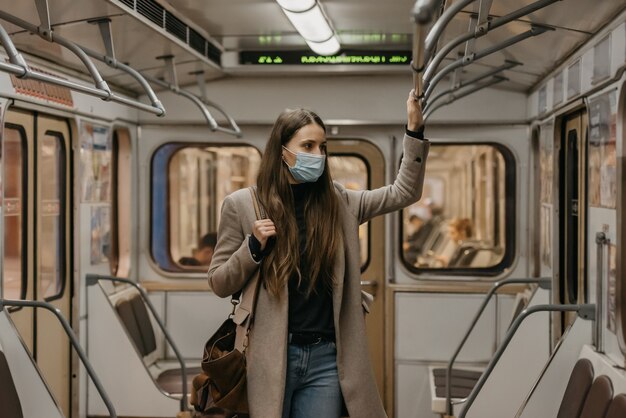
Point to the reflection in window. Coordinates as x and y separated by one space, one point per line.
14 205
189 186
51 164
352 173
460 221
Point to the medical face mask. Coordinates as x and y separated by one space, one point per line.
308 167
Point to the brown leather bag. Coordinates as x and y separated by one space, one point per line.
220 391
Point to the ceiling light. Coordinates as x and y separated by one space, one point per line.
328 47
309 20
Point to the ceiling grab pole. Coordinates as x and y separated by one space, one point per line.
109 58
422 14
464 61
440 25
101 90
495 71
170 68
481 30
234 128
456 96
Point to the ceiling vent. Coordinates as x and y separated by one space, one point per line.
164 19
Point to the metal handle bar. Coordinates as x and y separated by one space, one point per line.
202 106
586 311
92 279
454 97
423 13
543 282
601 241
464 61
480 31
440 26
101 90
73 341
506 66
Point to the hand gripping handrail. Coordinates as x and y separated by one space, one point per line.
101 89
543 282
92 279
429 110
480 31
73 340
464 61
585 311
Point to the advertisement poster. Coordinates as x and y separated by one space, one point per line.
100 234
602 151
611 290
95 158
546 166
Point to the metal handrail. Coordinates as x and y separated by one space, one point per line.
506 66
114 63
429 110
542 282
92 279
101 89
480 31
73 340
440 25
464 61
213 125
423 13
601 241
585 311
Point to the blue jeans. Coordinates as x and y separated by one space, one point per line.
312 387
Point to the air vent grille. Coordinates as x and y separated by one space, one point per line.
197 42
154 12
151 10
175 26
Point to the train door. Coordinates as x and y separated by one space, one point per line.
572 203
45 150
359 164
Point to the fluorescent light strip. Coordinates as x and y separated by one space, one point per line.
309 20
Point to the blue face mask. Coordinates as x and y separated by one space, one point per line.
308 167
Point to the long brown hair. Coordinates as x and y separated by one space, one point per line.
321 211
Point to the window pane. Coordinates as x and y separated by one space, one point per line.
351 172
13 208
51 180
460 222
198 180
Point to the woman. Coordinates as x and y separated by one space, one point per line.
308 352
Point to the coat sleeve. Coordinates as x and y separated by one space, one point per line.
405 190
232 263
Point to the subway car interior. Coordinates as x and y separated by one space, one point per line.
126 123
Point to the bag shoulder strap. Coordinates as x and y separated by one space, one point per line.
251 290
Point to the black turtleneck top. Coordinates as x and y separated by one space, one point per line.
312 313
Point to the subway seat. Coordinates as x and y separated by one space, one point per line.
136 320
10 406
586 397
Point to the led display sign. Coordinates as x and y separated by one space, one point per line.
309 58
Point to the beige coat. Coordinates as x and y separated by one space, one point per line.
232 266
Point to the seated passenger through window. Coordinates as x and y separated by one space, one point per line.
460 230
417 234
203 253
